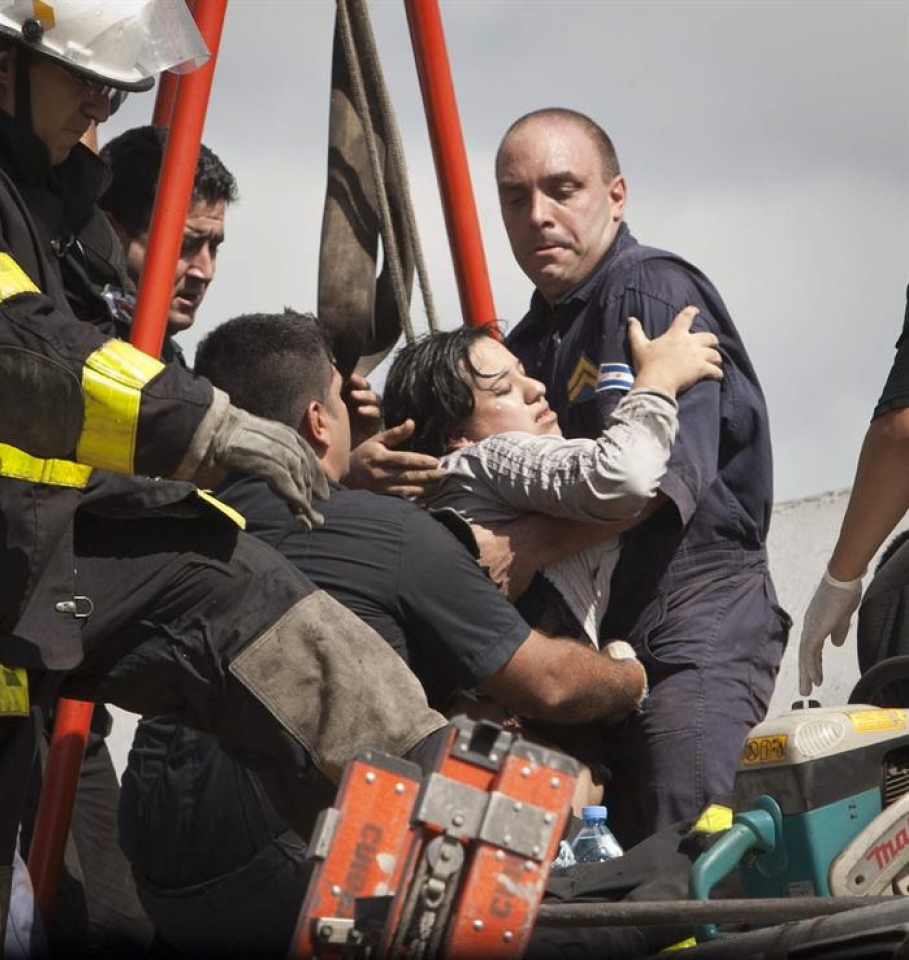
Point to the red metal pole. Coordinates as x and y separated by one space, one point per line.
55 806
175 185
168 86
458 202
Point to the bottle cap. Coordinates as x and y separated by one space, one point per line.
594 813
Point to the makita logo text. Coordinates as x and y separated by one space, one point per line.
884 852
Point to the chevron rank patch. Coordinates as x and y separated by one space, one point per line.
615 376
582 384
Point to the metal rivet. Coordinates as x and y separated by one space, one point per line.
478 924
32 30
555 783
370 777
494 757
518 806
525 771
529 865
336 891
548 818
506 838
462 747
399 788
444 854
500 854
508 936
536 850
458 819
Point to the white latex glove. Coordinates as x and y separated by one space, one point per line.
828 615
249 444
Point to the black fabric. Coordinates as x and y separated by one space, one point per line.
175 602
400 571
96 909
895 395
883 623
36 230
227 812
656 869
196 825
248 913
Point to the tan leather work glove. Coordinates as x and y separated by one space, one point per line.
245 443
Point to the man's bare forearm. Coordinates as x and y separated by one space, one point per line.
565 681
880 495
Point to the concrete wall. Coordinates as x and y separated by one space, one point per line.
802 535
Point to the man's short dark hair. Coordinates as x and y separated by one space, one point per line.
271 364
597 134
134 159
427 384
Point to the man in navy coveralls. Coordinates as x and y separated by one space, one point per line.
692 591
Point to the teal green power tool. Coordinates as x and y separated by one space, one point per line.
822 808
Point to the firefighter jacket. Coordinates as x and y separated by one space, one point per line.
119 409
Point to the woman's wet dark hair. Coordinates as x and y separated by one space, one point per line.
426 384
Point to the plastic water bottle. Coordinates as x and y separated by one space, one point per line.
595 842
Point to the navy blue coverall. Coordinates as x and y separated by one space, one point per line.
692 590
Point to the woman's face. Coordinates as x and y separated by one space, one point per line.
505 398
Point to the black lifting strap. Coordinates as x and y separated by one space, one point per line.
367 197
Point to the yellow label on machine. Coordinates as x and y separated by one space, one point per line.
13 691
871 721
713 819
764 749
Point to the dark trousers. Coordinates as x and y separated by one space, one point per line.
217 869
96 911
711 642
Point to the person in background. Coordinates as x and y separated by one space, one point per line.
134 160
883 631
878 501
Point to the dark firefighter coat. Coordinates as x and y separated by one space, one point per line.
70 392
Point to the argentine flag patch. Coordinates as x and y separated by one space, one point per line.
615 376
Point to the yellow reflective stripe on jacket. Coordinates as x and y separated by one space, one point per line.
681 945
112 381
20 465
13 691
13 279
233 515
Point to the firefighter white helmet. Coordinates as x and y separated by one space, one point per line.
118 43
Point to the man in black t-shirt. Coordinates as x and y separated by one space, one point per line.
216 869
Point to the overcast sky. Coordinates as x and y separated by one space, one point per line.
766 141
